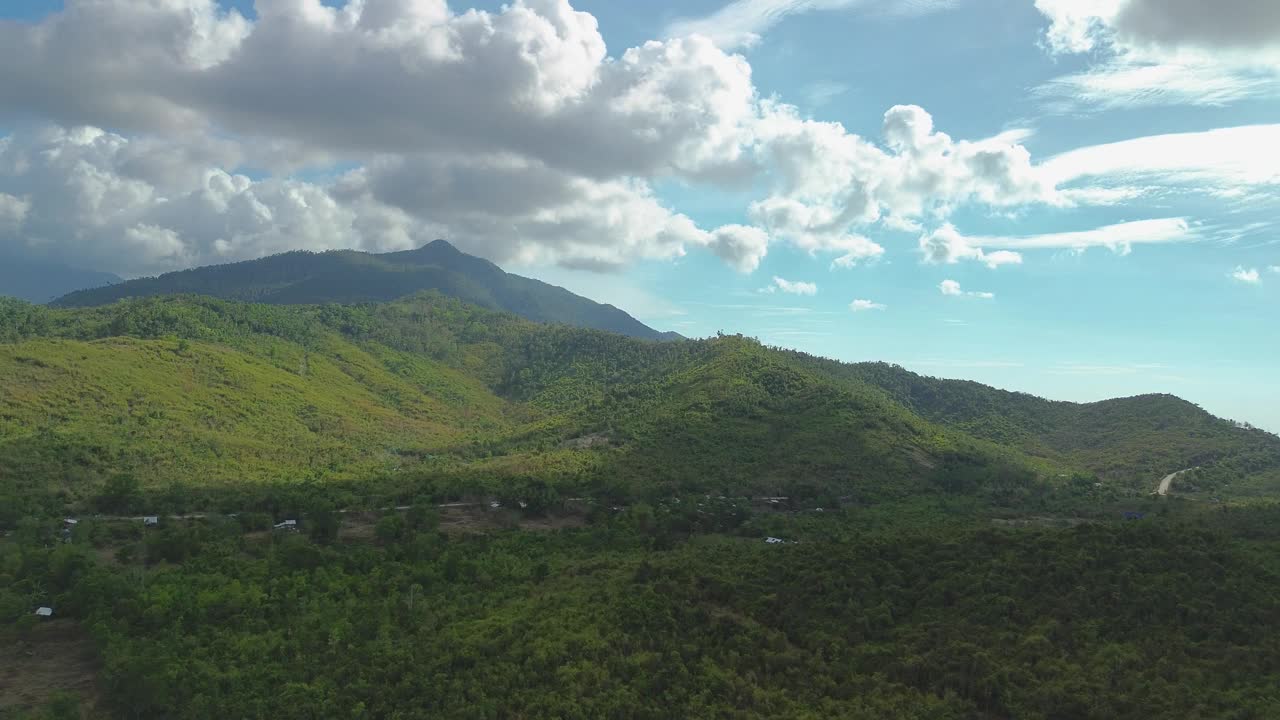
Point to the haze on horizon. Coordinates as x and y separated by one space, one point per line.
1072 199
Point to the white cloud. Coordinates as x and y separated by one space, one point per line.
93 199
865 305
1165 51
1119 238
1274 268
952 288
741 23
829 181
947 245
1249 276
513 133
1125 84
13 211
792 287
1221 158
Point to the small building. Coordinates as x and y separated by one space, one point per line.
286 525
151 520
70 522
44 611
774 541
494 505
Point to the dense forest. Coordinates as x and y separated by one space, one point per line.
497 518
670 610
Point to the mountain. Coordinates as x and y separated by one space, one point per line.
347 276
429 394
40 281
1117 438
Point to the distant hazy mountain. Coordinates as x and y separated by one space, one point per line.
40 281
347 276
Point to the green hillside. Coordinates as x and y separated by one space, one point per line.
347 276
1146 436
433 395
970 560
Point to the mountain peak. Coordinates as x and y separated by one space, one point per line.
356 277
440 244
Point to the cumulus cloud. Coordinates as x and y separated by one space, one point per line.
514 133
865 305
952 289
828 181
1165 51
947 246
93 197
791 287
1249 276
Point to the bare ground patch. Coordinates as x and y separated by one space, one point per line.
55 656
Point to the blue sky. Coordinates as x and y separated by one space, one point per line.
1098 219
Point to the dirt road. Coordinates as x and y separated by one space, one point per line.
1168 480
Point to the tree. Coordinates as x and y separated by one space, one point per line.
121 494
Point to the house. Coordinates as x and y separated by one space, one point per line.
287 525
71 522
775 541
44 611
151 520
494 505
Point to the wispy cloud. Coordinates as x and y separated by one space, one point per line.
1121 84
941 363
1225 159
791 287
865 305
742 23
1120 237
820 93
766 310
1078 368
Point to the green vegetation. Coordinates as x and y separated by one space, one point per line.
205 400
347 276
951 551
654 613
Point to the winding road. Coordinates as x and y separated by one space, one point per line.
1168 480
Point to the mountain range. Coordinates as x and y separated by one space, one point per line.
38 281
348 276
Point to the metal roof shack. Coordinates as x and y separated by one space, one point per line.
44 611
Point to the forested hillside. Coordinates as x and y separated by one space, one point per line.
501 518
429 389
347 276
1147 435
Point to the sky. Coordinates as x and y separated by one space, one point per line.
1074 198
